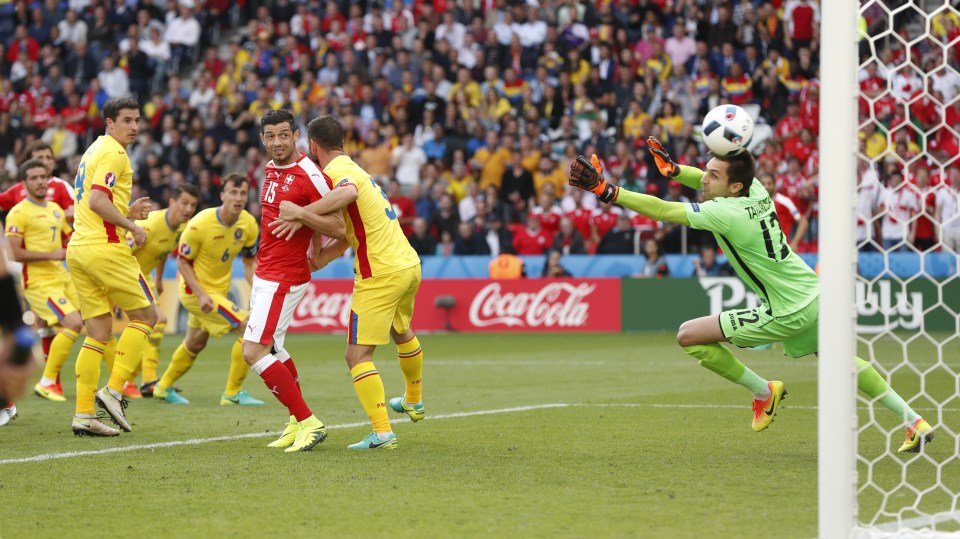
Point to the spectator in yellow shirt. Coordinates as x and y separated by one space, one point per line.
633 123
491 160
549 173
875 142
530 155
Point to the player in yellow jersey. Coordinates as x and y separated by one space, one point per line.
208 246
36 229
163 229
104 271
387 278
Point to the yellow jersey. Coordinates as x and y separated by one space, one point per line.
161 239
211 247
42 229
106 167
371 223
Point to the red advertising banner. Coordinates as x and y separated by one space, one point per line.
480 305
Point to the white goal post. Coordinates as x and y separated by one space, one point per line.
889 155
836 370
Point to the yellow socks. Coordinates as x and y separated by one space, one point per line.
180 363
130 347
238 369
151 356
110 353
59 350
88 374
410 356
369 388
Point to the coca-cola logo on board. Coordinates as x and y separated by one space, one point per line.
322 309
555 305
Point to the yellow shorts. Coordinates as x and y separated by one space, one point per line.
106 275
381 303
52 302
226 316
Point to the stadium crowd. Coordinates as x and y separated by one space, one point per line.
468 113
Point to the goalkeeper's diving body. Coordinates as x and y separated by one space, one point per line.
741 215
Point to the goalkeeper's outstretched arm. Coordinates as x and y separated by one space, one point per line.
588 175
653 207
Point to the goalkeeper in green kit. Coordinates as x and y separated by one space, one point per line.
741 215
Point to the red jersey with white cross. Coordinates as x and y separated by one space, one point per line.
58 191
301 182
604 221
549 219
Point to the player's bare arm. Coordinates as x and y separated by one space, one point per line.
190 278
158 275
329 224
249 268
802 225
331 251
20 253
103 206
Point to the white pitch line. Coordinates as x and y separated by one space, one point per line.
199 441
917 527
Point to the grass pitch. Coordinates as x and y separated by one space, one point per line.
602 435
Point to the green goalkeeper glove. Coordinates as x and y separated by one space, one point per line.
588 175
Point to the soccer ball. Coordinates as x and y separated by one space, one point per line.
727 130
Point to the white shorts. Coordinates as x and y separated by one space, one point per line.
271 311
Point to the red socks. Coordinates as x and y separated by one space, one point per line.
280 378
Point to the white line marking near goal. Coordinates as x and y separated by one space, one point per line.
199 441
911 528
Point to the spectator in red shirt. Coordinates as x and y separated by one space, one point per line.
926 236
532 239
403 206
604 218
789 126
548 213
801 148
23 42
803 21
787 212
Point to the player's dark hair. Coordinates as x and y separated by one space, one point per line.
112 108
27 165
278 116
36 146
235 180
740 168
187 188
327 132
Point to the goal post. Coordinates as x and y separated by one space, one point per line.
836 370
889 186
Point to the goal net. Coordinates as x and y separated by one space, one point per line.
908 238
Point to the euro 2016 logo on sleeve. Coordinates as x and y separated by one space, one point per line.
13 229
110 179
56 214
62 301
185 249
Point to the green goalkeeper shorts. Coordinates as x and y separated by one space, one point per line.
748 328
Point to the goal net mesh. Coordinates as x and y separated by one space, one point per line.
908 235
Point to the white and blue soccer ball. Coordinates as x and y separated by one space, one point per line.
727 130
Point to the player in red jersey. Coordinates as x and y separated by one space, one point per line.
58 191
787 212
283 274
